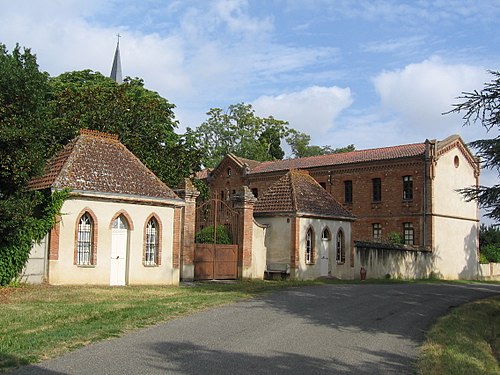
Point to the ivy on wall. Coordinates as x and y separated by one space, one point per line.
14 253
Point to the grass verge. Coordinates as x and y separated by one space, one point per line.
466 341
40 322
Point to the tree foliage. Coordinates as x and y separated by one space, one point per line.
25 216
484 107
299 143
143 120
240 131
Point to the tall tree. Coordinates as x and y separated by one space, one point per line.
240 131
299 143
484 107
25 216
143 120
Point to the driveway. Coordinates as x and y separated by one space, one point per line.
331 329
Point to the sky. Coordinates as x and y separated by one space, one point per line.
372 73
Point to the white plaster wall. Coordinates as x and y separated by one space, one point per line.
448 179
278 240
36 268
410 264
64 271
490 271
327 248
455 226
259 253
455 249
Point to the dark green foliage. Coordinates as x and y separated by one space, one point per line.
241 132
143 120
489 235
206 235
299 143
38 216
25 132
396 238
491 253
484 106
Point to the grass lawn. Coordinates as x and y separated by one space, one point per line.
40 322
43 321
467 341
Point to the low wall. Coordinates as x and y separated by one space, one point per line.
398 261
490 271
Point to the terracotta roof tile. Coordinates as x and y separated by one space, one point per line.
358 156
298 192
98 162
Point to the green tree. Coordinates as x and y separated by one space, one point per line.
299 143
240 131
143 120
25 216
484 107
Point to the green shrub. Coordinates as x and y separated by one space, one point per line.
491 253
396 238
206 235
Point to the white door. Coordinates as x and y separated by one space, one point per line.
323 261
119 243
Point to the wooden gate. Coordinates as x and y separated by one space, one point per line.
216 242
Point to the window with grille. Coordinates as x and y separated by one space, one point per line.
348 191
152 236
377 189
340 247
377 231
408 233
309 246
325 235
407 187
84 241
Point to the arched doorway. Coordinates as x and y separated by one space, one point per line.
119 247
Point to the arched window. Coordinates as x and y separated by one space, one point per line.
340 247
85 248
309 246
325 235
152 243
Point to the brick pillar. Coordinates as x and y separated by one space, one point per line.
244 202
188 192
294 251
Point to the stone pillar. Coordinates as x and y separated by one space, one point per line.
188 193
244 202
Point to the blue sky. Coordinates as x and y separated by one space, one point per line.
372 73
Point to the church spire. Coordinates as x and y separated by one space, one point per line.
116 70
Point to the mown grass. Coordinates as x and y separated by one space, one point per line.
466 341
40 322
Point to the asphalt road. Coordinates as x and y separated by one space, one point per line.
331 329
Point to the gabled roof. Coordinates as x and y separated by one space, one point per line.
99 163
298 193
375 154
242 163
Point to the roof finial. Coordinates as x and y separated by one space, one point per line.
116 70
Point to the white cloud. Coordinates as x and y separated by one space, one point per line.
312 110
420 93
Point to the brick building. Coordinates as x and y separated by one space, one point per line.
408 190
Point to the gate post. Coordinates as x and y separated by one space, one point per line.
188 193
244 202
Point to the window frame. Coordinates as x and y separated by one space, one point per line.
309 253
85 244
326 235
377 232
377 190
340 247
152 242
408 233
408 188
348 191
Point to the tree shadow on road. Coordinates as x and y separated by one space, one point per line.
188 358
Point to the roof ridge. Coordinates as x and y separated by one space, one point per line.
98 134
